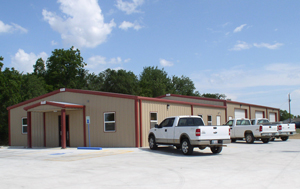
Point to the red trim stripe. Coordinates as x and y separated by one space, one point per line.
44 121
141 128
137 144
56 104
9 131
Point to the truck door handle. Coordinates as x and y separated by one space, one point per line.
166 130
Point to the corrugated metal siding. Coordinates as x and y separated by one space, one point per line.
194 100
17 138
162 113
76 128
52 137
37 129
205 111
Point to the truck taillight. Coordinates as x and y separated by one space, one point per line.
198 132
229 131
279 128
260 128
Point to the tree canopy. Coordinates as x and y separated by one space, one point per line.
65 69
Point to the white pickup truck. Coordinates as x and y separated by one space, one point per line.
284 129
242 128
187 132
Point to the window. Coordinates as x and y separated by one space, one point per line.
109 122
209 120
229 123
167 122
24 125
190 122
153 119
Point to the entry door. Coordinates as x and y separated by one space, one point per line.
218 120
67 130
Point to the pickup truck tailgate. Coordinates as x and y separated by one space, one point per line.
289 127
269 129
213 132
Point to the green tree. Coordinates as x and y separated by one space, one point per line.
120 81
215 95
284 115
65 69
154 82
1 64
39 68
183 86
32 86
10 94
94 82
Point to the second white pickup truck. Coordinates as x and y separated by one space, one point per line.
284 129
187 132
242 128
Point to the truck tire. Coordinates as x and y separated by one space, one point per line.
284 138
216 149
249 138
186 147
272 139
265 140
152 143
202 147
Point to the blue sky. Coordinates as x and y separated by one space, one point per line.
247 50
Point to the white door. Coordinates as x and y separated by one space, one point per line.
259 115
239 113
218 120
272 117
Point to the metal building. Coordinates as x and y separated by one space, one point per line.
60 118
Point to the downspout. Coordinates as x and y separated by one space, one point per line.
84 126
44 121
9 137
29 141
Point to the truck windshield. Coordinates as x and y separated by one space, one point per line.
190 122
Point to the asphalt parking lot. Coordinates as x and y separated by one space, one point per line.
240 165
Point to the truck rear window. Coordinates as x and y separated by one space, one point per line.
190 122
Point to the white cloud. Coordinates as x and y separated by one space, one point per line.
125 25
165 63
277 74
97 64
129 7
82 24
266 45
24 62
54 42
241 45
5 28
239 29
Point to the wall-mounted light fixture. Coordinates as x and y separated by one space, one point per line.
168 106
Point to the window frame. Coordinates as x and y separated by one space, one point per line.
23 125
209 123
153 121
104 123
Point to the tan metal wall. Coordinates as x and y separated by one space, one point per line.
162 113
52 137
95 107
214 112
211 102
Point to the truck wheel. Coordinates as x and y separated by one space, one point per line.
233 140
249 138
186 147
284 138
152 143
216 149
272 139
265 140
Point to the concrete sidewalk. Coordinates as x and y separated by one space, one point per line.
240 165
